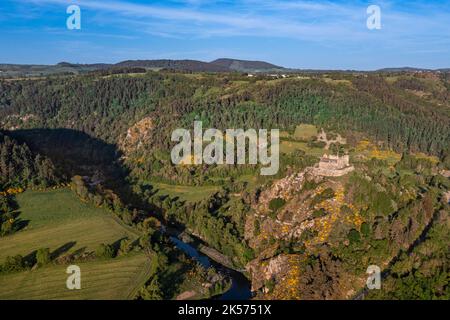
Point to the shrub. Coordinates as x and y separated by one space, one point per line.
6 228
319 213
328 193
43 256
125 246
308 234
13 264
257 227
105 251
270 285
354 236
152 291
365 229
276 204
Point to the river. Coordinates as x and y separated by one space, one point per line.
240 285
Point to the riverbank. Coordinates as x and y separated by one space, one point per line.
240 288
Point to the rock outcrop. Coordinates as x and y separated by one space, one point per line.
137 135
314 208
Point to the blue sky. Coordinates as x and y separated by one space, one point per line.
292 33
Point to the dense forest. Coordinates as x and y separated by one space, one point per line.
20 168
105 107
137 114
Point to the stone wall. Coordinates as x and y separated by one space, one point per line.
333 172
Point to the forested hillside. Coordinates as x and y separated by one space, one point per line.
20 168
406 112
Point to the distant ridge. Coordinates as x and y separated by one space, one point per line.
185 65
219 65
245 65
403 69
410 69
76 65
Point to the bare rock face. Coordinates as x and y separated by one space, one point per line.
447 197
313 216
272 272
263 271
249 226
186 295
285 188
137 135
261 225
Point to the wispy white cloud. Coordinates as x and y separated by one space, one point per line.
243 19
299 19
297 33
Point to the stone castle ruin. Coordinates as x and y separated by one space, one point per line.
333 166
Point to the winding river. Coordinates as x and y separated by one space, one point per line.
240 286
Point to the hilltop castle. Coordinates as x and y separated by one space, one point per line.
333 166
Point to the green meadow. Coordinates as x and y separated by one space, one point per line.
58 220
305 132
118 278
289 147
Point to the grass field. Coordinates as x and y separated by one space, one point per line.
305 132
109 279
187 193
289 147
57 218
252 180
297 140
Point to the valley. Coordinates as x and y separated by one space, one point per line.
87 179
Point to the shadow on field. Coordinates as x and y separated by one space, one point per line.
19 224
30 259
116 244
62 250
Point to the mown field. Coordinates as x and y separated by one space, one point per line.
305 131
58 220
290 147
119 278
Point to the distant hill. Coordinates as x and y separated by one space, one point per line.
62 68
245 65
403 69
184 65
219 65
81 66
